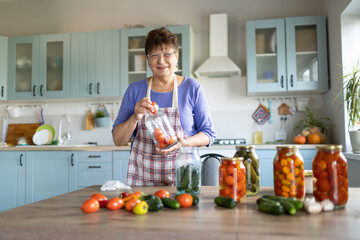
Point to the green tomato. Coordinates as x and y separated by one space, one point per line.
141 208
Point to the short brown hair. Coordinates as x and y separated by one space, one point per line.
158 37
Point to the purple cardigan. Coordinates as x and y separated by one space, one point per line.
194 111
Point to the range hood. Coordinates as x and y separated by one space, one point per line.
218 64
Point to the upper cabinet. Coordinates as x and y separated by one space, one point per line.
95 64
39 67
287 55
134 65
3 67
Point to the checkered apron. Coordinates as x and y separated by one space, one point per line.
146 167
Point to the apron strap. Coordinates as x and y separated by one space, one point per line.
175 92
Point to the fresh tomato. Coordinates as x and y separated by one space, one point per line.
123 195
115 203
185 200
160 137
161 144
157 131
141 208
162 194
136 194
91 205
155 107
101 198
129 205
169 140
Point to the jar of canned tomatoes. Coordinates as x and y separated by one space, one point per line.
232 178
289 176
330 178
251 162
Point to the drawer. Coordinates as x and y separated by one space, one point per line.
94 173
94 156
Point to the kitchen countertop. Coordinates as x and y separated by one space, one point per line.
61 218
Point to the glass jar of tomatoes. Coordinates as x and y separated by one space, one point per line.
251 162
232 178
188 170
330 178
289 176
159 127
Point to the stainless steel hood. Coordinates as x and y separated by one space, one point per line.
218 64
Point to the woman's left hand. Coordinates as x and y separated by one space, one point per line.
181 143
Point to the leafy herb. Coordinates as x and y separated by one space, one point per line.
310 120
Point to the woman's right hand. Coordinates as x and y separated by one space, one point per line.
141 107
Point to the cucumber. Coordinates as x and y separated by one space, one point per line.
154 205
288 207
170 203
148 197
262 199
227 202
196 200
297 204
270 208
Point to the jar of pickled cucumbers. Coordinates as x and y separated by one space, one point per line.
251 162
330 178
289 176
232 178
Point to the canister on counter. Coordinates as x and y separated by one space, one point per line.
188 170
289 176
251 162
232 178
330 175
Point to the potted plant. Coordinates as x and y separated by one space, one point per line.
102 118
351 91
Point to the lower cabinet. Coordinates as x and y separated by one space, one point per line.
121 162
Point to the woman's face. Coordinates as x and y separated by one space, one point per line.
162 61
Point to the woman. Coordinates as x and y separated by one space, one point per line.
184 103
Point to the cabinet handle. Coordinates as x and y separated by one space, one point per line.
94 166
94 156
282 81
20 160
292 80
72 159
98 88
34 87
41 90
90 87
2 91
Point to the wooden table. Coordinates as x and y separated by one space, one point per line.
61 218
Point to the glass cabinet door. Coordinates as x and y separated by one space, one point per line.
136 58
23 73
54 58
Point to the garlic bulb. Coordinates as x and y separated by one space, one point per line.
327 205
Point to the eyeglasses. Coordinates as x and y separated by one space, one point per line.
156 56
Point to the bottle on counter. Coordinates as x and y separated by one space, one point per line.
330 178
289 176
251 162
232 178
188 170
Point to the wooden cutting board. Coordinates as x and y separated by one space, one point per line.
89 121
16 131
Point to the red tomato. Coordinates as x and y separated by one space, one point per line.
91 205
169 140
157 131
101 198
160 137
129 205
155 107
161 144
115 203
124 195
162 193
185 200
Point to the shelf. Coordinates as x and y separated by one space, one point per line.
136 72
307 53
266 55
137 50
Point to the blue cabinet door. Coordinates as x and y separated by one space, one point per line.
49 173
121 162
12 179
266 158
3 67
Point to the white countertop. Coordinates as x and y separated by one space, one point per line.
352 156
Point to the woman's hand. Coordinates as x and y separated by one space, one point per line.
141 107
181 143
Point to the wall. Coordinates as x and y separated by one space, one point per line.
231 109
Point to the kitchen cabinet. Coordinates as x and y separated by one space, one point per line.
49 173
39 67
12 179
121 162
287 55
3 67
134 65
95 64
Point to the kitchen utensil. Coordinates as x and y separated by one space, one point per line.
292 110
89 121
41 137
16 131
261 114
283 109
270 116
48 127
22 141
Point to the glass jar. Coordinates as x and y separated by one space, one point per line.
188 170
232 178
159 127
330 178
251 162
289 176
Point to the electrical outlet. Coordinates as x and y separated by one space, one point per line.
280 135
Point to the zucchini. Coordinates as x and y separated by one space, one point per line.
262 199
154 205
227 202
270 208
297 204
170 203
288 207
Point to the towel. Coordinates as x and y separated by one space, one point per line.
114 185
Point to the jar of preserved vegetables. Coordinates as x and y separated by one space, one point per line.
232 178
188 170
251 162
289 176
330 178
